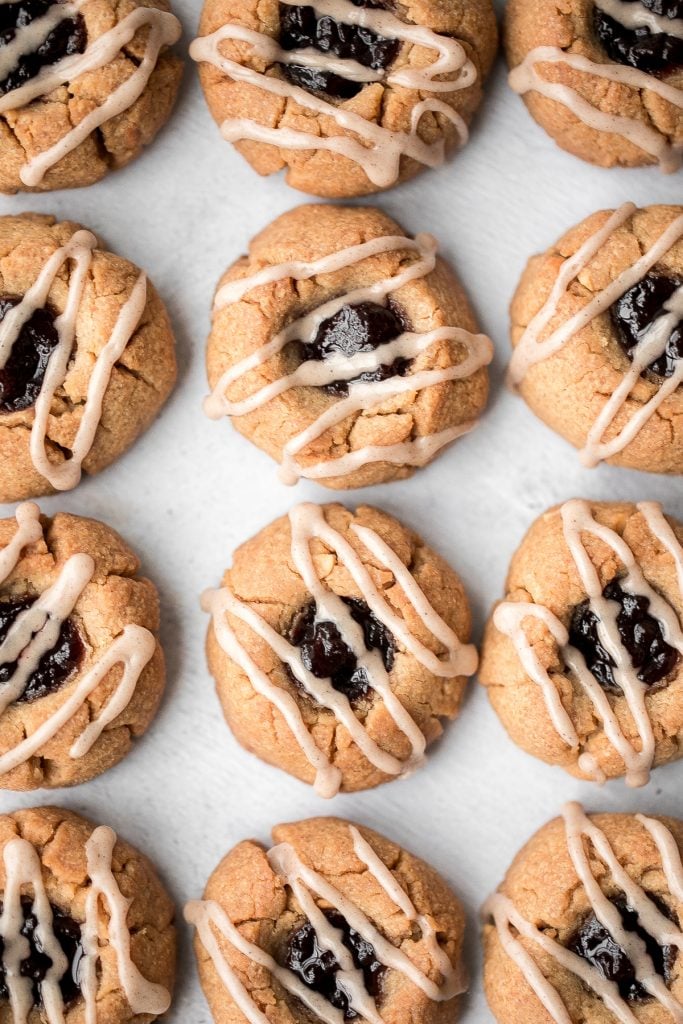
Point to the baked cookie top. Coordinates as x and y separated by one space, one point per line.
87 926
81 668
84 86
338 642
603 77
333 923
345 349
586 926
583 659
87 355
349 97
597 332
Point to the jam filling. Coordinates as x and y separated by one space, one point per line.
300 28
67 38
55 667
22 376
317 967
594 943
324 653
354 329
638 309
655 53
36 965
641 635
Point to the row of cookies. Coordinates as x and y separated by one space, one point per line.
347 96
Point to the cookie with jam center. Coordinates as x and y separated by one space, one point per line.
604 78
87 355
583 658
83 89
339 643
92 921
82 671
597 334
350 98
329 900
586 925
345 349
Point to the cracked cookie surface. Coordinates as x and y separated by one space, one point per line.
140 381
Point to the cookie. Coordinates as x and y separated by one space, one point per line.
84 86
345 349
87 926
81 668
87 355
597 332
583 659
586 926
333 923
349 97
604 78
338 642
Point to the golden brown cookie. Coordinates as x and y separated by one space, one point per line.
597 329
604 78
81 668
347 101
87 355
90 922
586 926
345 349
338 643
333 918
83 88
583 659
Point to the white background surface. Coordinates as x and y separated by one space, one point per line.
191 490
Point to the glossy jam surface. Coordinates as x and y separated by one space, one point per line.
354 329
56 667
655 53
641 634
36 965
324 653
638 309
22 376
593 943
317 967
301 28
67 38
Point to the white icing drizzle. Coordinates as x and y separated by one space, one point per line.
526 77
509 618
211 920
23 870
164 29
633 16
505 916
79 251
307 524
317 373
377 149
36 630
531 349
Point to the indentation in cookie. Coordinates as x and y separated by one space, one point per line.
69 36
21 378
651 52
594 943
638 309
300 28
359 328
641 634
36 965
55 667
324 653
317 967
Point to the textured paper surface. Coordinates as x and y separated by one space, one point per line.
191 490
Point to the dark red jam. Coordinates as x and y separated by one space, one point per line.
22 376
635 312
55 667
36 965
655 53
68 37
